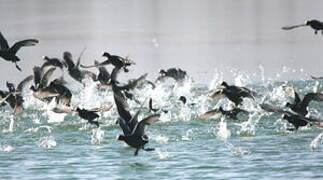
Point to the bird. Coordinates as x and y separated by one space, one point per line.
133 130
234 93
296 120
14 96
232 114
314 24
9 53
88 115
300 105
74 69
116 61
53 62
177 74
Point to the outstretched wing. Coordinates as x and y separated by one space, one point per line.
79 58
273 109
3 42
293 27
46 76
61 110
209 114
139 130
101 109
27 42
23 83
312 97
134 83
37 75
218 95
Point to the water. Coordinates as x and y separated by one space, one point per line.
256 146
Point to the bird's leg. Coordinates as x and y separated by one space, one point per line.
315 32
136 152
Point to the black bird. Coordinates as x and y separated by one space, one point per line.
133 131
300 106
9 53
53 62
88 115
74 70
296 120
314 24
234 93
65 94
232 114
115 60
176 73
103 76
14 97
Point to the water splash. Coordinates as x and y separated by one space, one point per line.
249 127
316 142
223 132
162 154
6 148
47 142
97 136
236 150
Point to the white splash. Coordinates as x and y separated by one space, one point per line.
97 136
188 135
236 150
47 142
249 127
162 154
11 125
223 131
7 148
315 143
160 139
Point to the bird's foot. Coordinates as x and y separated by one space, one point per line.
149 149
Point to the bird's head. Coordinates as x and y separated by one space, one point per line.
224 84
45 58
288 104
162 72
105 54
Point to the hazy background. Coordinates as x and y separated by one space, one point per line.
197 36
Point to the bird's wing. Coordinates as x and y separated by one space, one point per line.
124 126
122 105
46 76
139 130
79 58
90 74
101 109
3 42
273 109
316 78
134 83
19 44
3 99
209 114
37 75
63 110
67 56
23 83
45 93
293 27
314 122
297 98
218 95
312 97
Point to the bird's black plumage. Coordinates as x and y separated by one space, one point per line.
9 53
